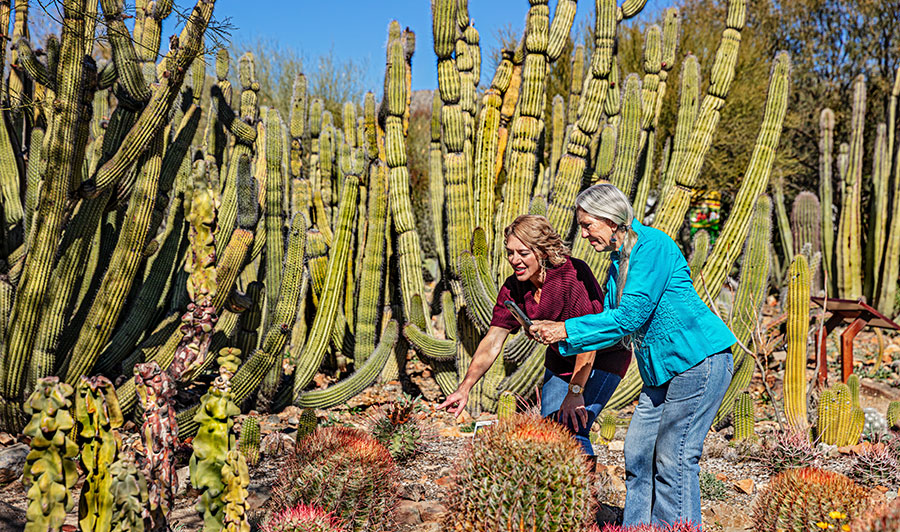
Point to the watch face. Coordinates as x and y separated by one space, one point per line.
575 388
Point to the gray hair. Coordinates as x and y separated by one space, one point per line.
604 200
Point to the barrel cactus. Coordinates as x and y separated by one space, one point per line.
875 465
398 426
608 427
345 471
799 499
884 518
303 518
789 449
50 470
524 472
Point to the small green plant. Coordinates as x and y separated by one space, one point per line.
712 488
398 426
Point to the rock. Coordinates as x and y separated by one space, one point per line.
730 518
12 519
745 485
184 480
293 421
12 461
407 513
617 446
5 438
429 527
432 511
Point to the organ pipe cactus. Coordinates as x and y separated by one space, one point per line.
249 442
50 470
849 248
806 224
159 433
744 418
97 415
797 339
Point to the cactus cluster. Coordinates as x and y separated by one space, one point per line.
523 472
798 499
343 471
788 450
875 465
840 419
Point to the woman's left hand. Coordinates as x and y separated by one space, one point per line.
573 408
548 332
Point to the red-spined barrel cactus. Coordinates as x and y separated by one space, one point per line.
799 499
524 473
398 426
303 518
344 471
884 518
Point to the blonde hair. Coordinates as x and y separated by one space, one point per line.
540 237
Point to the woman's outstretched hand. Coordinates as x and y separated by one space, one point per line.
459 398
573 409
548 332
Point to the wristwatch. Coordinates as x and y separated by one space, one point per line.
575 388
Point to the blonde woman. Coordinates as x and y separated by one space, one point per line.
548 284
682 351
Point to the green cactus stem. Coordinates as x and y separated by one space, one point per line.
878 212
608 426
686 168
235 479
307 425
50 469
797 339
699 252
744 418
756 177
373 266
887 284
826 163
849 246
97 415
249 442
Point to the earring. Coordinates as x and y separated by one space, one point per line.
612 239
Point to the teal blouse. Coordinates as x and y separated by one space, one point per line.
672 328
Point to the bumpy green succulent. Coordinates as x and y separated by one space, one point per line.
212 443
235 479
97 415
344 471
525 473
130 496
50 470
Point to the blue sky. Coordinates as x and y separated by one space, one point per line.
358 28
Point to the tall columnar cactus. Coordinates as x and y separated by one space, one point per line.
699 252
886 288
97 415
805 228
744 418
797 340
826 195
506 480
159 433
748 300
878 212
249 442
849 246
893 415
686 168
50 470
798 499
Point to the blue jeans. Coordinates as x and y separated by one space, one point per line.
597 391
665 440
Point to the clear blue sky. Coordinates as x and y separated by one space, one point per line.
358 28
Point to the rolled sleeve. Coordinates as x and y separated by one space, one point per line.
648 278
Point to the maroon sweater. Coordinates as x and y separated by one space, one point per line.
570 290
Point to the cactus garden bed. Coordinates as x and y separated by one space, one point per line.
731 479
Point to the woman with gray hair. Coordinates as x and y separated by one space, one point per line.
682 351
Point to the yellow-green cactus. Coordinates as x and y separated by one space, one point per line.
50 470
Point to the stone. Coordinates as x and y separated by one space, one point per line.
12 462
617 446
12 519
407 513
432 511
184 480
728 517
745 485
